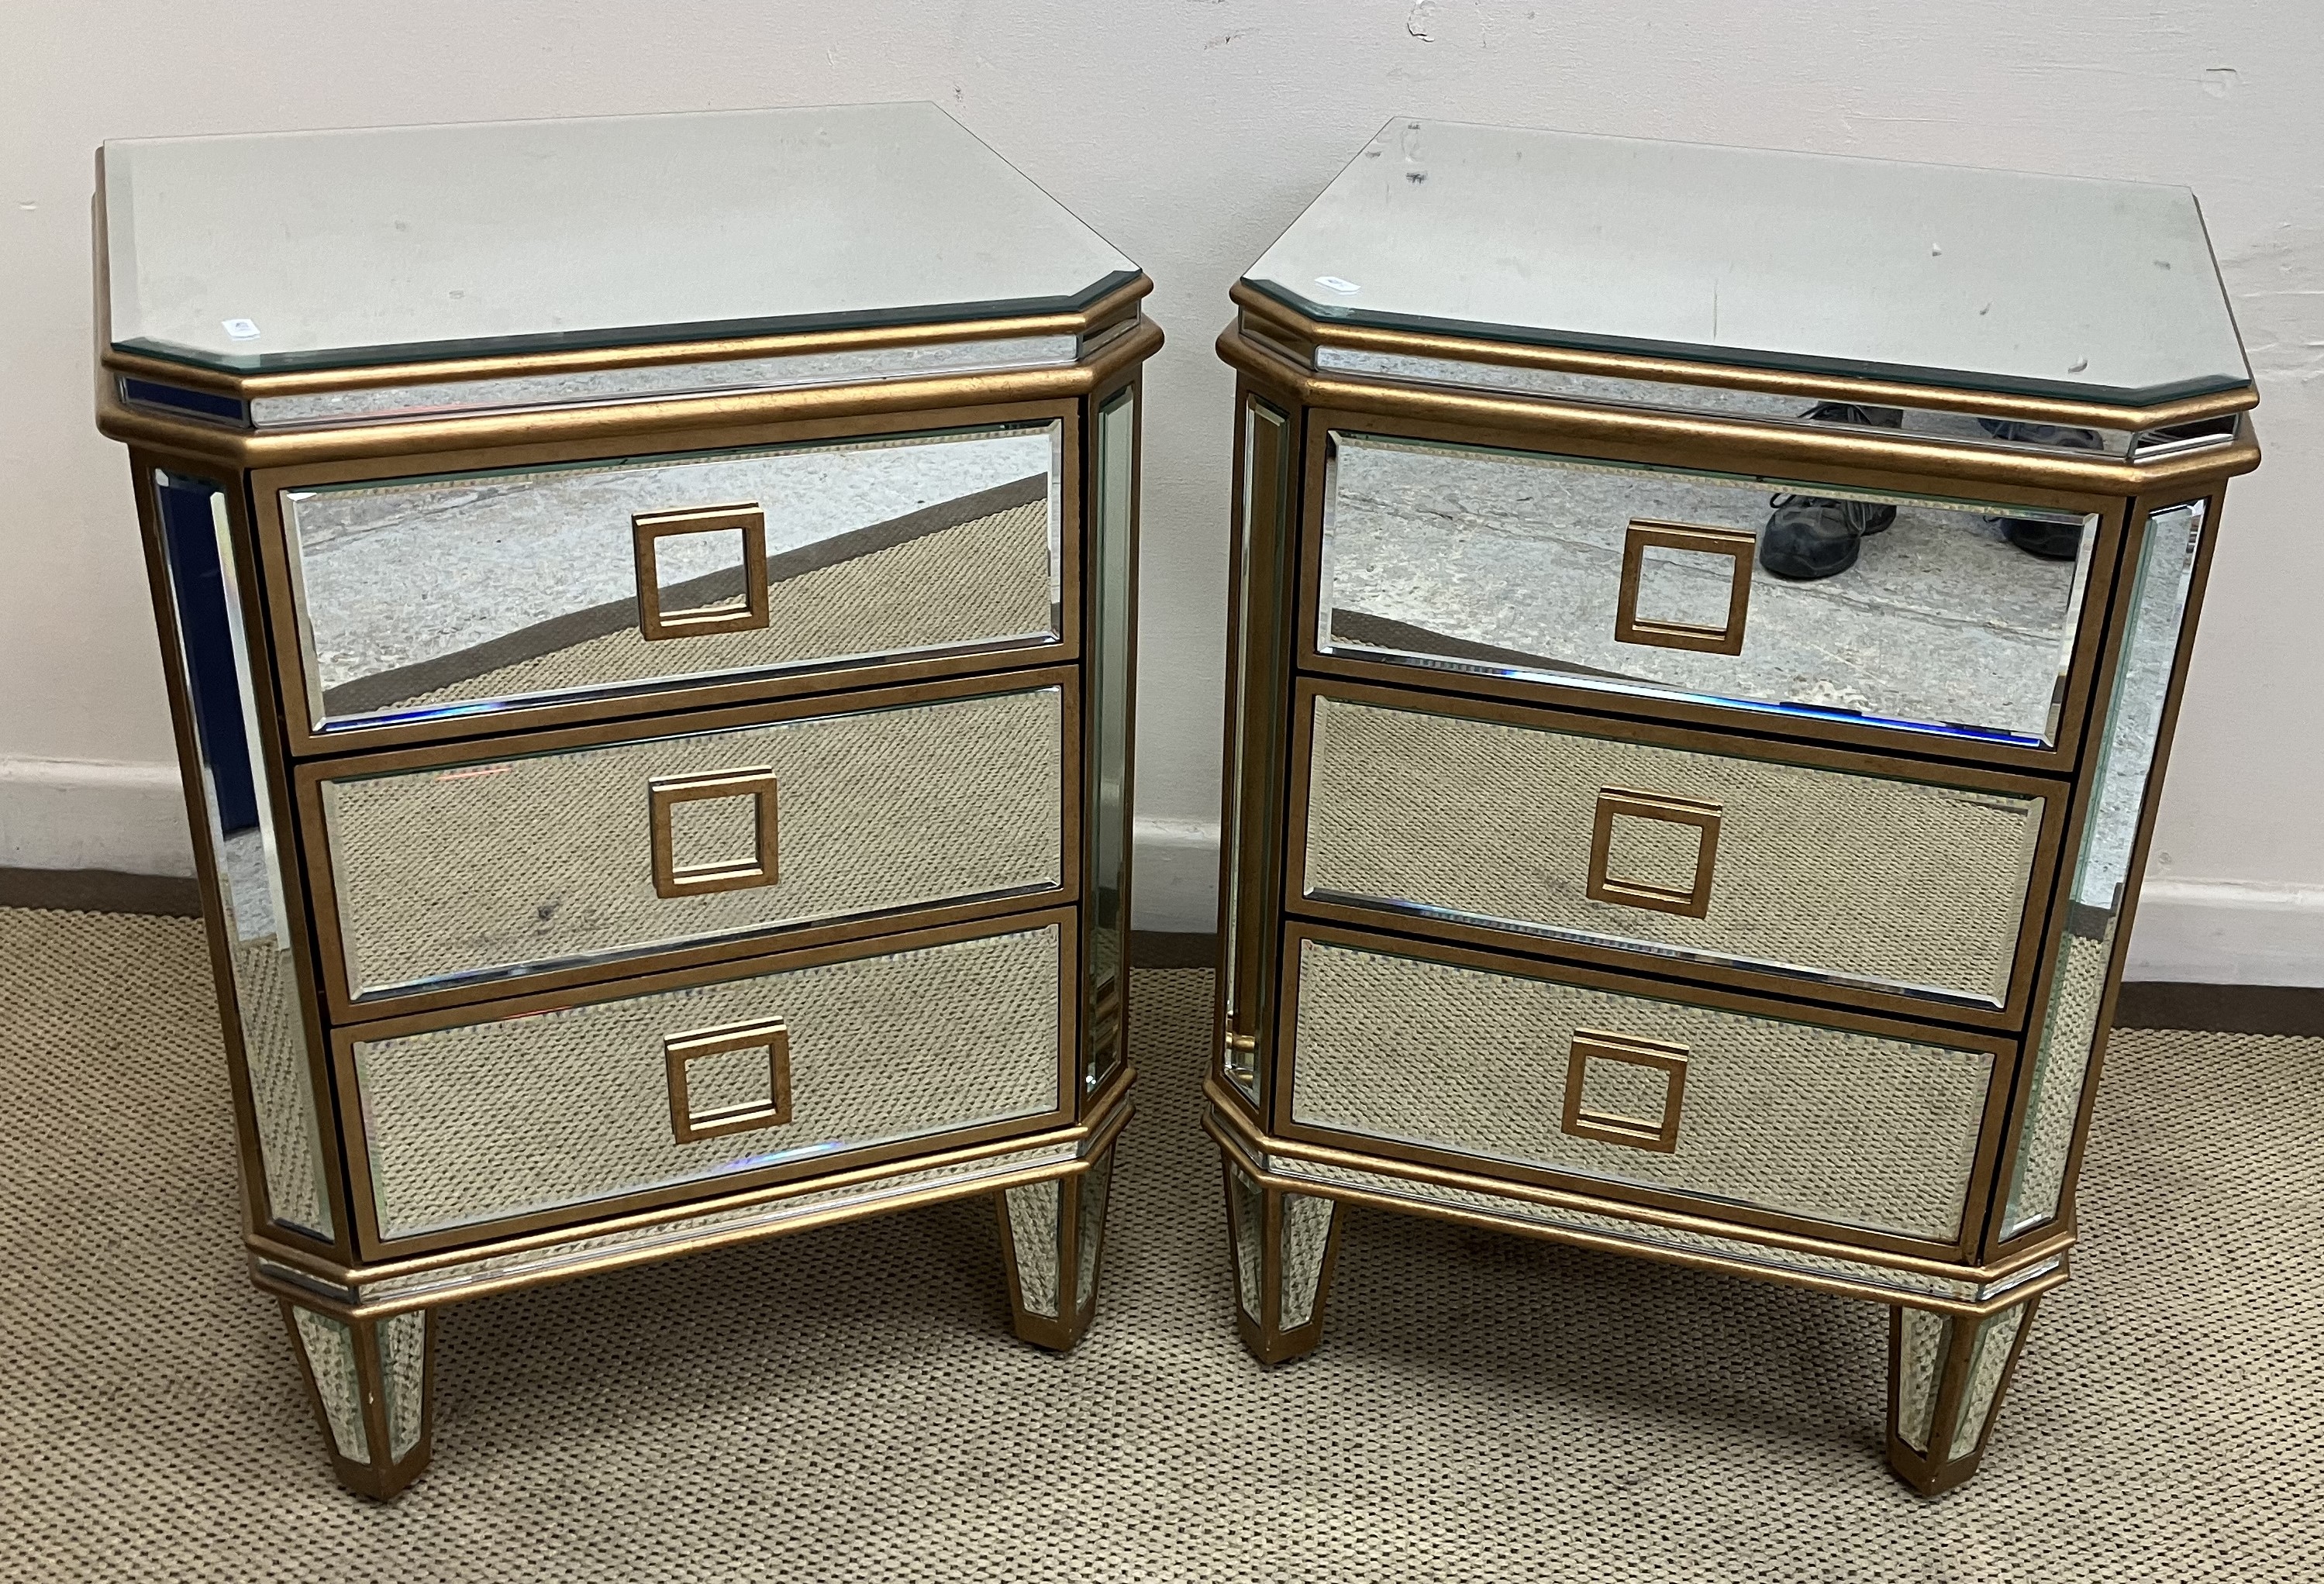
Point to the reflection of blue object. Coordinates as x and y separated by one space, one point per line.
197 587
208 403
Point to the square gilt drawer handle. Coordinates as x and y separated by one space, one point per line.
649 528
680 1050
1604 886
1734 544
759 868
1659 1135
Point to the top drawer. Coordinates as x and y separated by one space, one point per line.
432 602
1538 574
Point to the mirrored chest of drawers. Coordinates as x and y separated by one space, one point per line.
1706 626
648 607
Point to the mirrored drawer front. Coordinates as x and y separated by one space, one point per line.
433 596
1958 619
539 1114
1518 1070
452 872
1911 886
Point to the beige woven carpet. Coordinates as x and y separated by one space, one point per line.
848 1405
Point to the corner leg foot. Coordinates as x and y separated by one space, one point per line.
372 1385
1052 1235
1284 1245
1946 1377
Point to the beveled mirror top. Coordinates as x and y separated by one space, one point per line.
327 249
1933 274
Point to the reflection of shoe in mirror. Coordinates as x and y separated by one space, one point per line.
2055 437
1878 418
1809 537
2053 541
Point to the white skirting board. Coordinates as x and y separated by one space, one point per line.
2228 932
93 813
86 813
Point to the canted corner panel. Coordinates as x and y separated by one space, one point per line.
1856 1129
254 899
512 1116
1904 886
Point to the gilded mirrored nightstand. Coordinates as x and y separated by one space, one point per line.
1706 626
648 612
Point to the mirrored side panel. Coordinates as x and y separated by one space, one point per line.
1250 831
419 598
1929 615
1112 640
2122 760
214 656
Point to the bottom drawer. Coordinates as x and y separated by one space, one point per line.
1520 1070
776 1067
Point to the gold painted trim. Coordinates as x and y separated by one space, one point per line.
1935 1472
1838 997
1732 721
310 994
1617 803
1264 518
682 1050
373 1243
1223 1122
1659 1136
762 868
1103 1124
649 528
2144 512
279 561
1854 459
1999 1049
307 780
617 424
1296 330
1735 546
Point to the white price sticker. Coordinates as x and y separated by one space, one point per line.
240 329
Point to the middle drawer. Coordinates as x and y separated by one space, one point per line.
1882 882
440 873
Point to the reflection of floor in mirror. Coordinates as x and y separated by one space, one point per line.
937 577
1941 619
399 575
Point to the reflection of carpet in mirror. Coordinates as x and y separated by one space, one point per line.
1864 877
1844 1126
547 857
494 1118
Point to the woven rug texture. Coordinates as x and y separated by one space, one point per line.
848 1404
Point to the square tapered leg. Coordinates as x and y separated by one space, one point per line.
1284 1245
371 1382
1052 1235
1946 1377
